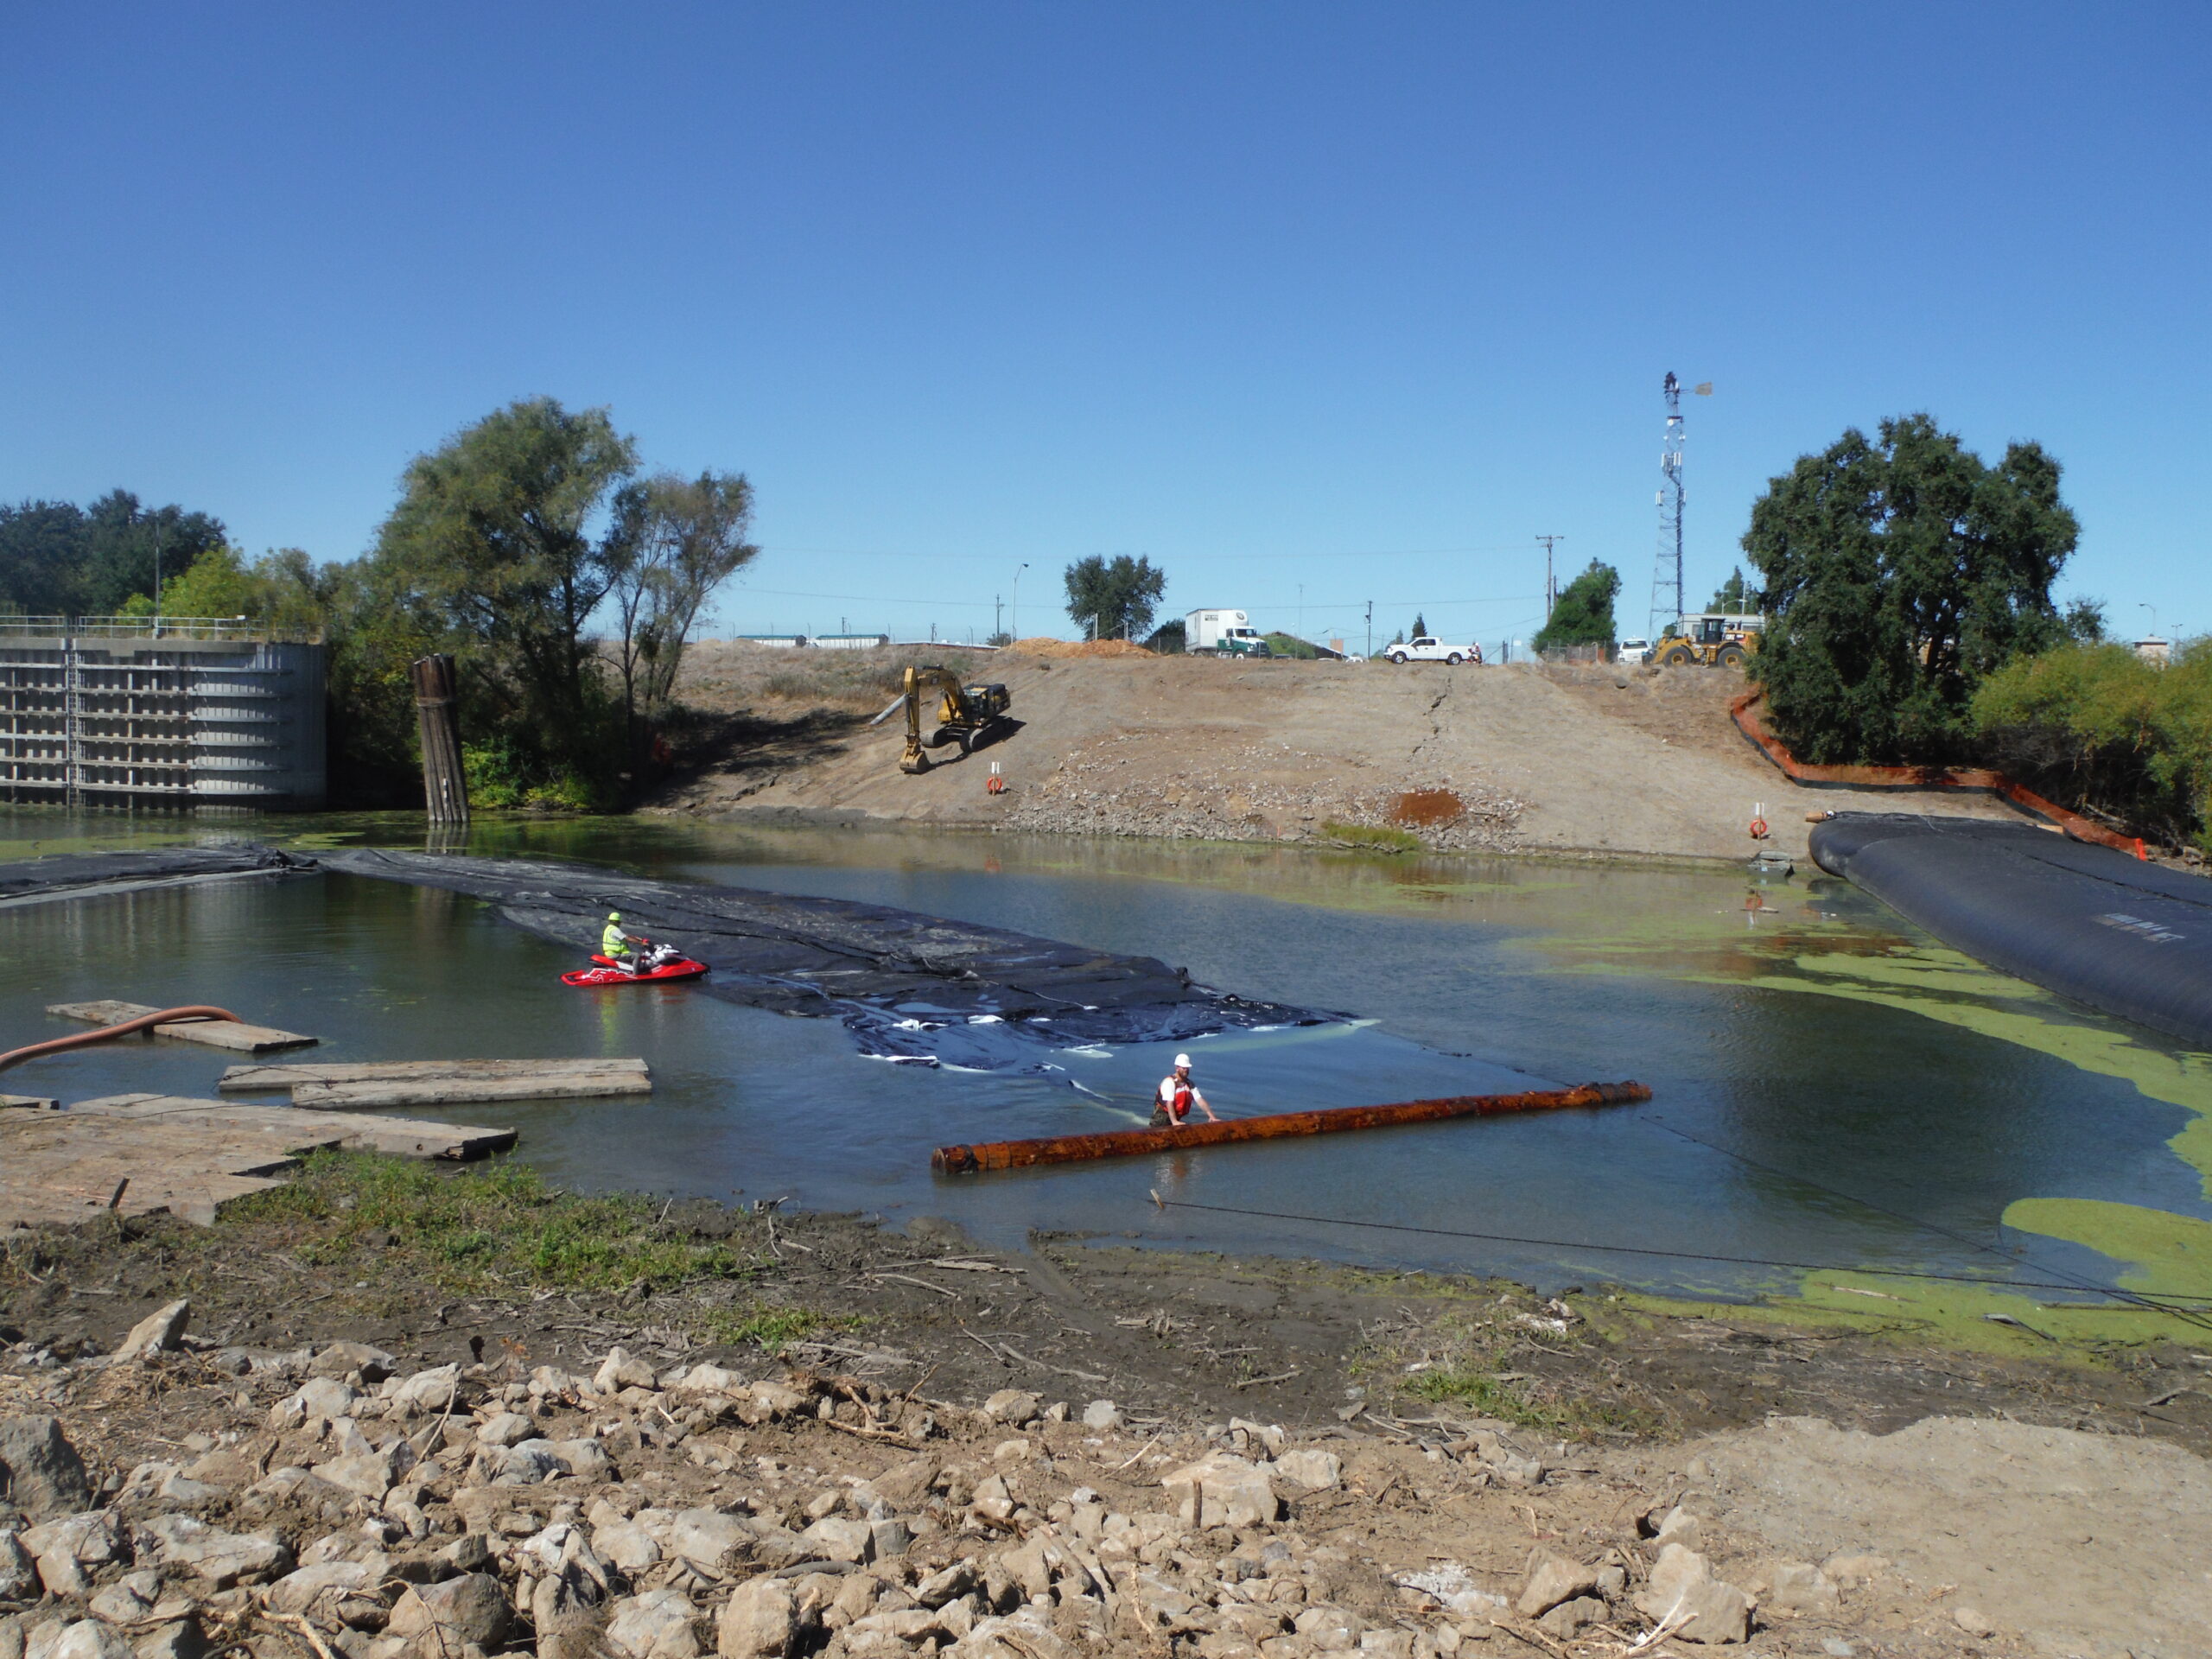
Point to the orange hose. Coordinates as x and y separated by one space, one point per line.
143 1022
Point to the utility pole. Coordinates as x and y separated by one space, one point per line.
1551 583
998 607
1301 610
157 576
1371 627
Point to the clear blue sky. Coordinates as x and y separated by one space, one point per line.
1360 297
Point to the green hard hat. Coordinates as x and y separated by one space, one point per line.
614 915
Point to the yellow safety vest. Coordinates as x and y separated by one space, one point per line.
612 944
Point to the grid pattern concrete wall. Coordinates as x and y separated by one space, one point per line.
107 712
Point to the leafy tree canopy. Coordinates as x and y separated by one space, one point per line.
1584 612
2085 621
491 539
1898 574
1735 596
58 559
1421 625
675 541
1169 638
1122 594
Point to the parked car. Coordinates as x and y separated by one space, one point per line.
1429 649
1634 650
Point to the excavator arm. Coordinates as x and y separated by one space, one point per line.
963 713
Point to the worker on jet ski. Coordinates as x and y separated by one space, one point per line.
614 944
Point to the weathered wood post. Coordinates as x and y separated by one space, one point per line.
445 787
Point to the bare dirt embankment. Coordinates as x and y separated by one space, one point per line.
1517 758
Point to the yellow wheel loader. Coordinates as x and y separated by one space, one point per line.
1714 641
964 713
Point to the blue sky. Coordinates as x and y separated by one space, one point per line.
1359 298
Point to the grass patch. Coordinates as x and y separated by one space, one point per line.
1372 837
771 1329
499 1227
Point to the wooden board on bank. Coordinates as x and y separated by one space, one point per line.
133 1154
443 1083
213 1033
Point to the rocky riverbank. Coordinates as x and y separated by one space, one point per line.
393 1444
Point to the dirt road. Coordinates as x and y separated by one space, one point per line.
1522 758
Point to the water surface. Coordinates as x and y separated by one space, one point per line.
1826 1079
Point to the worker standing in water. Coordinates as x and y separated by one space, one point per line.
1171 1105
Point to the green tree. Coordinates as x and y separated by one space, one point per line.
1121 595
1735 596
123 542
2096 726
2084 620
1170 638
674 541
42 550
1897 574
1421 625
1584 612
490 547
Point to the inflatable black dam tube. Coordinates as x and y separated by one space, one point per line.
2093 924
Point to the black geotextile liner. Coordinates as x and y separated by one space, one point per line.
2090 922
65 875
909 987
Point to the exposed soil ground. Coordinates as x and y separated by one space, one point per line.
2059 1503
1558 759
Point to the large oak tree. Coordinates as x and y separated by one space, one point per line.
1897 573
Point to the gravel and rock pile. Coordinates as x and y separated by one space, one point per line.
342 1505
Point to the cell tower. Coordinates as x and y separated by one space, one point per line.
1667 578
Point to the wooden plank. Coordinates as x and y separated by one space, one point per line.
1124 1143
459 1091
209 1034
187 1156
34 1102
245 1079
276 1132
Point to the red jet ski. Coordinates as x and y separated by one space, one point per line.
608 973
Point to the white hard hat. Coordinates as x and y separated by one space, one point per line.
1182 1059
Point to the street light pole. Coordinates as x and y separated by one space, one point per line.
1013 610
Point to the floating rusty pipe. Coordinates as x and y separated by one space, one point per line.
143 1022
1127 1143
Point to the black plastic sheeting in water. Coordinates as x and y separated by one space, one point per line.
909 987
2093 924
79 875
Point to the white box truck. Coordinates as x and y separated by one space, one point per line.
1222 633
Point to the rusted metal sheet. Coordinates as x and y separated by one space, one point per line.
1124 1143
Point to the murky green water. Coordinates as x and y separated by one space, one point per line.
1828 1081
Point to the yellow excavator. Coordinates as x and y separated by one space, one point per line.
965 714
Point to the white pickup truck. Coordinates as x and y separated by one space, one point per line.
1429 649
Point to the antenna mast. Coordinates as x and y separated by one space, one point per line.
1666 577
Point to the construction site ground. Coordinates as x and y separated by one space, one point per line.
1914 1500
1587 761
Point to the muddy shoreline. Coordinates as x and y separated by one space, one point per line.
1172 1334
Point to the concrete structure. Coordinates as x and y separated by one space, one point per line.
107 711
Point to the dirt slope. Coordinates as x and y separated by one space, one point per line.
1558 759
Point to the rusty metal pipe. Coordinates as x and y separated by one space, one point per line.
1126 1143
143 1022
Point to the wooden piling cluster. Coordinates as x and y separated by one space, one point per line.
1124 1143
445 784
